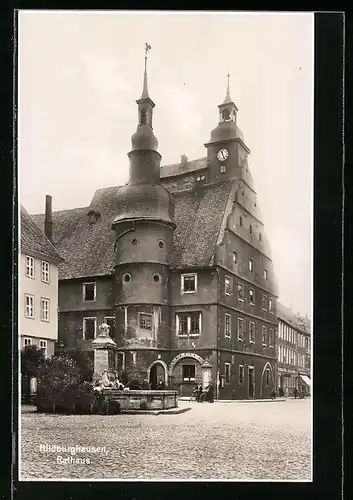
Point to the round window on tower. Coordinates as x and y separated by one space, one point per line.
161 244
134 242
126 278
157 278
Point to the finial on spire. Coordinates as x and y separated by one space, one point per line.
145 89
227 99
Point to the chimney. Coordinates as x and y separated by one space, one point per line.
184 160
48 224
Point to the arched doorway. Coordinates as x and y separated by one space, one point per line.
267 381
185 372
157 371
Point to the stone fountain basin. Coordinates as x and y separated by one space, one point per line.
142 400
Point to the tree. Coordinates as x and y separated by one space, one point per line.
83 363
31 359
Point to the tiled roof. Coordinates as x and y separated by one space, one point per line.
286 314
198 215
179 168
88 248
33 239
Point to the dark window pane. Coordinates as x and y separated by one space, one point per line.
227 373
188 372
89 291
183 324
146 321
195 323
89 328
189 283
241 374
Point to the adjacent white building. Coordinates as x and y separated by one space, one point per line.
38 284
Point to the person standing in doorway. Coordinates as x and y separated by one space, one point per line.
161 385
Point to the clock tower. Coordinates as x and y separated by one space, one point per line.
226 151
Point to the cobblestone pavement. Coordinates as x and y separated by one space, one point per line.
265 440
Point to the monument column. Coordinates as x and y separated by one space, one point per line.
104 349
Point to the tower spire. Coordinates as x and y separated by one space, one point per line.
227 99
145 88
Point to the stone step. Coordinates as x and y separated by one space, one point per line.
237 400
169 411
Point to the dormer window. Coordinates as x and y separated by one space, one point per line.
201 178
93 216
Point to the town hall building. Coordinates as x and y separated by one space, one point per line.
177 263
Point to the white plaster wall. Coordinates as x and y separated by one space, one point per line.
34 286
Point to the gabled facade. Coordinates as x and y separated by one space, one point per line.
177 262
38 287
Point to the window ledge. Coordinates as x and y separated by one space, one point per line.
45 320
30 317
89 301
31 277
228 294
228 336
241 340
241 300
252 341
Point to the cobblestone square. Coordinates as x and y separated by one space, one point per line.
237 441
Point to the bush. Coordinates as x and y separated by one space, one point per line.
124 378
61 390
59 381
136 382
83 363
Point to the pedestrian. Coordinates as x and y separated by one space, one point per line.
295 393
199 392
280 392
273 393
210 397
196 393
161 385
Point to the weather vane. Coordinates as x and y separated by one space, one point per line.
147 48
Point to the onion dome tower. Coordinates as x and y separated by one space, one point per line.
226 149
144 239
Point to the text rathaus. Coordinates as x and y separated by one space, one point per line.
177 263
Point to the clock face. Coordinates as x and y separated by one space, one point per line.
222 154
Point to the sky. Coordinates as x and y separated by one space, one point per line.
80 74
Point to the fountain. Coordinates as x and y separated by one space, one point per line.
105 380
